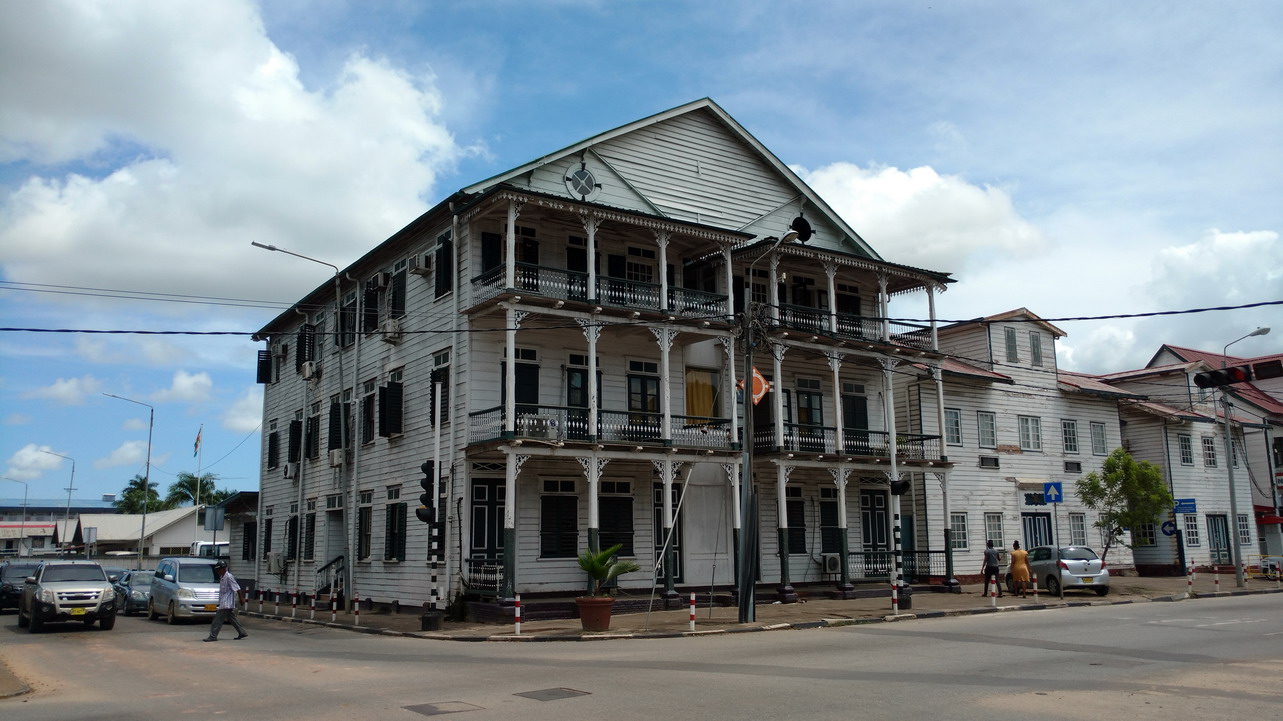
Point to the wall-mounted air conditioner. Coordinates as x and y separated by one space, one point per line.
382 280
310 370
420 264
832 562
275 562
337 457
291 471
390 330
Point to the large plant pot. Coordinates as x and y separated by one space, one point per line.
594 612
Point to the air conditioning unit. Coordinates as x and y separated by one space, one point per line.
275 562
310 370
382 280
420 264
989 462
337 456
291 471
832 562
390 330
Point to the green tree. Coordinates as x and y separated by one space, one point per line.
189 490
1127 493
139 496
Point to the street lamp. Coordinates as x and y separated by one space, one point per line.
151 422
338 310
66 519
22 532
1237 553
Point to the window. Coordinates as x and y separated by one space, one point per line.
702 393
990 462
958 531
340 431
1030 433
305 347
391 403
364 524
443 264
294 452
615 506
1191 530
1244 529
396 294
953 426
993 529
291 538
987 423
441 375
1187 449
1209 451
273 446
637 270
1009 335
1069 435
1143 535
249 549
309 534
367 412
558 520
1073 466
347 320
795 514
312 433
830 531
1099 446
394 532
1078 529
1035 348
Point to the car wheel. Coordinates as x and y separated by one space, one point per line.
108 622
1053 585
35 625
1011 585
171 618
23 621
1101 590
151 611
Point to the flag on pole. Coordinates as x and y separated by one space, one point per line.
196 449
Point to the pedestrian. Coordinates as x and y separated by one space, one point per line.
228 593
1020 568
990 567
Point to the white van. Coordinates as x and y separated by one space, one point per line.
209 549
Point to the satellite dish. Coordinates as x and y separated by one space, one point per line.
803 229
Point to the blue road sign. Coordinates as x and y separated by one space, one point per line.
1185 505
1053 491
1169 528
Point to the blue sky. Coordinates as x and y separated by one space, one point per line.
1077 159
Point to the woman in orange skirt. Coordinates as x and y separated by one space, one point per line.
1019 568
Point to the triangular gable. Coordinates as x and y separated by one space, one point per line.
693 163
1008 315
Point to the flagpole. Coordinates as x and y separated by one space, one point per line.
200 460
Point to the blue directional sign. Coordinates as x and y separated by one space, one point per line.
1185 505
1053 491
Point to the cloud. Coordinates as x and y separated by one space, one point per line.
134 424
17 419
1238 267
68 391
180 133
31 461
921 218
130 453
185 388
245 414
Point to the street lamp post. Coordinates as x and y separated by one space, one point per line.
22 531
1237 553
151 422
66 518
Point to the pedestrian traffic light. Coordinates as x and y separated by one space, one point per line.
425 512
1223 377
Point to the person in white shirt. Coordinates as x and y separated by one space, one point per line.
228 593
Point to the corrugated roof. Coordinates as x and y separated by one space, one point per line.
128 526
1083 383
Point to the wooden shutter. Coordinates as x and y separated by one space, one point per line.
390 403
296 442
312 436
264 366
444 266
370 308
336 438
273 449
305 349
396 297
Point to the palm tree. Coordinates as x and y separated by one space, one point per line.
189 489
139 496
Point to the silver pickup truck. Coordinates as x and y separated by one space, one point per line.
59 591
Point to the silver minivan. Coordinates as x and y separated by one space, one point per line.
184 588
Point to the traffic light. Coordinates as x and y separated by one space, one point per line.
426 511
1239 374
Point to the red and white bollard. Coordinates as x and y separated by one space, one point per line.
294 603
259 592
1035 583
516 613
1216 579
313 616
356 608
277 596
895 599
1189 581
692 612
993 594
334 608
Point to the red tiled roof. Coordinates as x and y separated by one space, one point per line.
1084 383
1247 391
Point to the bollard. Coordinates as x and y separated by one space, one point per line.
1035 582
516 613
356 607
294 603
334 608
277 596
312 617
993 594
1189 581
895 599
259 591
692 612
1216 579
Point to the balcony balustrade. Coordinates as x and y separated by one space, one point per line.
561 284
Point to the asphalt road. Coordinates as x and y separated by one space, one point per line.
1214 658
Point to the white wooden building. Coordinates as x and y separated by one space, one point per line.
563 340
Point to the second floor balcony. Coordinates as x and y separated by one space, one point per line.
567 285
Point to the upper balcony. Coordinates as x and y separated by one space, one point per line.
566 285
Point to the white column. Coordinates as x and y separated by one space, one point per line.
774 290
839 436
591 224
830 271
728 344
730 281
665 336
777 356
510 263
661 239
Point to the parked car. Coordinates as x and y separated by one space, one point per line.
1076 567
12 574
59 591
183 588
133 591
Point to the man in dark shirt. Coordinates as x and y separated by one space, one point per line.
990 568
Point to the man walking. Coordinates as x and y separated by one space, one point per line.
990 568
228 593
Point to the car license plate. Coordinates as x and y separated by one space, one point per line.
1087 580
77 612
211 607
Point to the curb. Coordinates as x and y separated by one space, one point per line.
796 626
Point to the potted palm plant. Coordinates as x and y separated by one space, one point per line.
602 567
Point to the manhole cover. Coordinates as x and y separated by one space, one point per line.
552 694
436 709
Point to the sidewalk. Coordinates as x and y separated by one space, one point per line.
814 612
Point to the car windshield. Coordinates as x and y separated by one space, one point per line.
73 573
197 573
1077 554
10 573
141 579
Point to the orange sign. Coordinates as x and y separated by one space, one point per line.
761 386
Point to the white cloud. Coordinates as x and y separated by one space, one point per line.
31 461
921 218
17 419
186 388
129 453
1237 267
68 391
134 424
246 413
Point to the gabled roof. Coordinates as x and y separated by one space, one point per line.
965 370
705 105
1018 313
1181 368
1170 413
1091 385
1249 392
129 526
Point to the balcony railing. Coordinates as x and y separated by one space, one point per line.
918 565
562 423
855 442
562 284
483 576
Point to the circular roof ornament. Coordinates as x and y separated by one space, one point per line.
582 183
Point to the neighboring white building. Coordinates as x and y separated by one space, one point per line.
161 533
579 317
